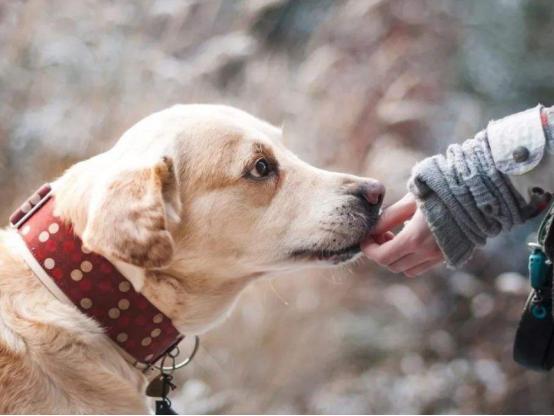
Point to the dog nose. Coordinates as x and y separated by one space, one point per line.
372 191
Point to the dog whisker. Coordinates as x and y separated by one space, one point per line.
274 290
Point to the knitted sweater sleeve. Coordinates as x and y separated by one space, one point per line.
467 195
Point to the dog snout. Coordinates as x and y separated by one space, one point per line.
371 191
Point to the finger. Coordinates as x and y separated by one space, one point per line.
388 252
407 262
422 268
396 214
383 238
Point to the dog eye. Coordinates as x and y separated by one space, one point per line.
261 169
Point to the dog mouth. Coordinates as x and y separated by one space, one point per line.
342 244
350 248
334 256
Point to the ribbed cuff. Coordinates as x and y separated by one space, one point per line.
454 244
433 193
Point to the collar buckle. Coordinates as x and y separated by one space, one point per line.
30 206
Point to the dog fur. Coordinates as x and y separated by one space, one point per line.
179 208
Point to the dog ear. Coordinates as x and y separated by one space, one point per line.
130 219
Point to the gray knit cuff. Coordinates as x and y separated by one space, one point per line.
465 199
456 247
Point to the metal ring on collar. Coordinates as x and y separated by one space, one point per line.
183 363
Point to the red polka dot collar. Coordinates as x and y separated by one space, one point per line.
91 282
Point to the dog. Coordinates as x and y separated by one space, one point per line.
191 205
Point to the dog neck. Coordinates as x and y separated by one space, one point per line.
90 282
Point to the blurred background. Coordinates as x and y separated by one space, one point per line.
363 86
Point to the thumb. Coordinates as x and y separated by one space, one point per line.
396 214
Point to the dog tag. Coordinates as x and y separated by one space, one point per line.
158 387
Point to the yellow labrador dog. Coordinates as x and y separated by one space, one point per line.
191 205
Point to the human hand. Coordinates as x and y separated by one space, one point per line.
413 250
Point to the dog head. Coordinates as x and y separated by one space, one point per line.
211 191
